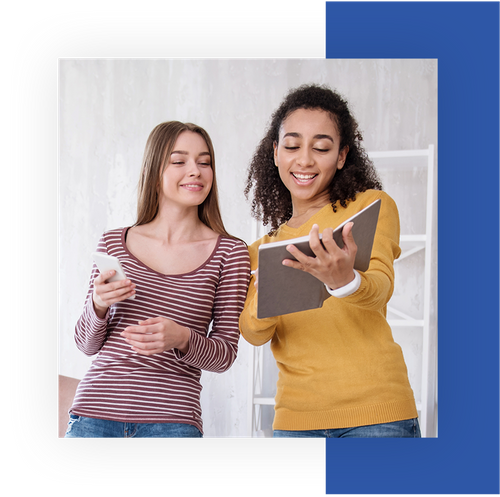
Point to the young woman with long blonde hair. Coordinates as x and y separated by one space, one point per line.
185 273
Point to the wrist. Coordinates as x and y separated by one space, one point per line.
100 310
184 337
348 289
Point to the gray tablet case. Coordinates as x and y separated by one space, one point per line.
283 290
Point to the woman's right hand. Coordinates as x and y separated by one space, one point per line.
106 294
255 274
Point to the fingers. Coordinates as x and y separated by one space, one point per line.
122 293
101 278
315 241
330 264
143 339
148 337
330 245
304 262
298 255
144 344
132 333
151 321
348 238
106 294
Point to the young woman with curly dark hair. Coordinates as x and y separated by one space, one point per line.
340 372
272 201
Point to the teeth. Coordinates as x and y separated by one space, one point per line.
303 176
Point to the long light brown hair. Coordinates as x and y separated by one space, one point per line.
159 146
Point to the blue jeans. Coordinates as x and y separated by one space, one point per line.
408 428
82 427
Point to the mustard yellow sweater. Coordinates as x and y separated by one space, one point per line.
339 366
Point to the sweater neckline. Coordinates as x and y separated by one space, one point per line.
305 227
131 255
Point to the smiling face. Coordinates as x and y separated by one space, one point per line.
307 156
187 177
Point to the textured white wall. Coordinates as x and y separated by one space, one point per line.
107 109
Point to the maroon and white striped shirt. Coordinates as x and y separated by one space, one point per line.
122 385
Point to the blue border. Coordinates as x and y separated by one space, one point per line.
464 38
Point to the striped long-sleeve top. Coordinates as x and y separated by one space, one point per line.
122 385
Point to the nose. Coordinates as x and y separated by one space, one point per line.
193 169
305 158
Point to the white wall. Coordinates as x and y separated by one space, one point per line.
107 109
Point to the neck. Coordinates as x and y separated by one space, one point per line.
303 211
173 223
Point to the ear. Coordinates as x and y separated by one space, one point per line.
342 157
275 146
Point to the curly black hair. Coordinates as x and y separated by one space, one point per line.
272 203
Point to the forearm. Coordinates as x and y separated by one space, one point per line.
91 329
375 288
209 354
256 331
100 311
377 283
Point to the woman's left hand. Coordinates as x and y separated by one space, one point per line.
332 265
156 335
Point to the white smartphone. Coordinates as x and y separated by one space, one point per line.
107 262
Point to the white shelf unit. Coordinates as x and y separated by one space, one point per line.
413 325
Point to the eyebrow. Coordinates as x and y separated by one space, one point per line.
317 137
184 152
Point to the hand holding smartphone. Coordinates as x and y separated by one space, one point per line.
109 289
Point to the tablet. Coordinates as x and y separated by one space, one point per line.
283 290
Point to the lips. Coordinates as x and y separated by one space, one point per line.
303 178
195 187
